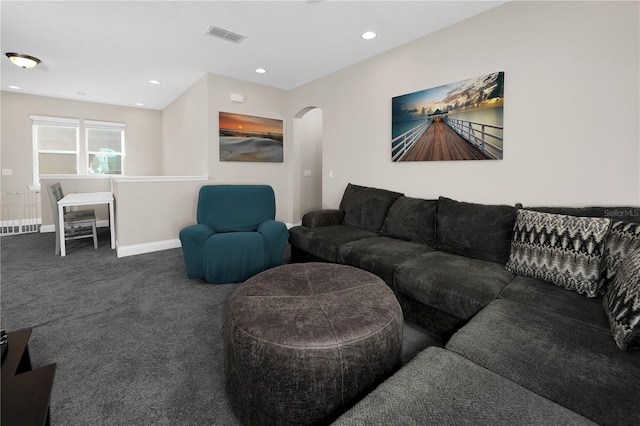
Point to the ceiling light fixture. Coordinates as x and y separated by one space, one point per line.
261 70
139 104
14 87
369 35
23 61
154 82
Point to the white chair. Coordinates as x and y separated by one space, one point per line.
77 224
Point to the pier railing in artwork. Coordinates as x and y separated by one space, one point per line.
402 143
478 134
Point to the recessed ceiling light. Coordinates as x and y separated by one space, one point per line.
14 87
139 104
261 70
154 82
369 35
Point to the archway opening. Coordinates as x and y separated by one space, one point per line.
308 140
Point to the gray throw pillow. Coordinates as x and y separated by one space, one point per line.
621 303
564 250
623 238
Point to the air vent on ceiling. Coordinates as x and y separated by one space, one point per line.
225 34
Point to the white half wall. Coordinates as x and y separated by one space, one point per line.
151 211
571 111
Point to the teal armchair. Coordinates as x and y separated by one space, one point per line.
236 236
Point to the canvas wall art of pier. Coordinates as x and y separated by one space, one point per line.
457 121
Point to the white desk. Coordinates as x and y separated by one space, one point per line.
86 199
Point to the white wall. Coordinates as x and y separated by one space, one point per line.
143 134
191 142
308 133
261 101
571 111
185 132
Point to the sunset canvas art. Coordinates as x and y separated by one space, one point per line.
456 121
249 138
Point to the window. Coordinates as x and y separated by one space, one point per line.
105 147
55 146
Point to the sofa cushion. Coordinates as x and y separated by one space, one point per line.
323 242
457 285
365 207
411 219
380 255
475 230
571 363
440 387
623 238
564 250
622 303
544 295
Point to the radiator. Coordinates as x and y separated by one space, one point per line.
20 212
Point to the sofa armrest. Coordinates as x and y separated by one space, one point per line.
192 238
317 218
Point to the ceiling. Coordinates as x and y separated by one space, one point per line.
108 51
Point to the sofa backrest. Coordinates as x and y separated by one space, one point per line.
235 208
480 231
365 207
411 219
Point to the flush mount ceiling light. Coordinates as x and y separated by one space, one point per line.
154 82
261 70
23 61
369 35
14 87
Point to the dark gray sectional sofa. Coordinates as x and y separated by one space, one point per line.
518 349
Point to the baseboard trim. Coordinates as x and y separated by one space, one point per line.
51 228
134 249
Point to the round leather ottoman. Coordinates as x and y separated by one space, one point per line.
304 341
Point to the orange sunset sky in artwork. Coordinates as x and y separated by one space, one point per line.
249 123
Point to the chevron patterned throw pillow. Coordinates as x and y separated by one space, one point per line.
621 303
622 240
564 250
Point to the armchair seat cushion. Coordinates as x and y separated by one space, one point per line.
232 257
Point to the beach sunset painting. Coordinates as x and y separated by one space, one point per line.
456 121
249 138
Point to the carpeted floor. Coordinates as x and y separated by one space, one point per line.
135 341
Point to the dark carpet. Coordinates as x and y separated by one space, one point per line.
135 341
